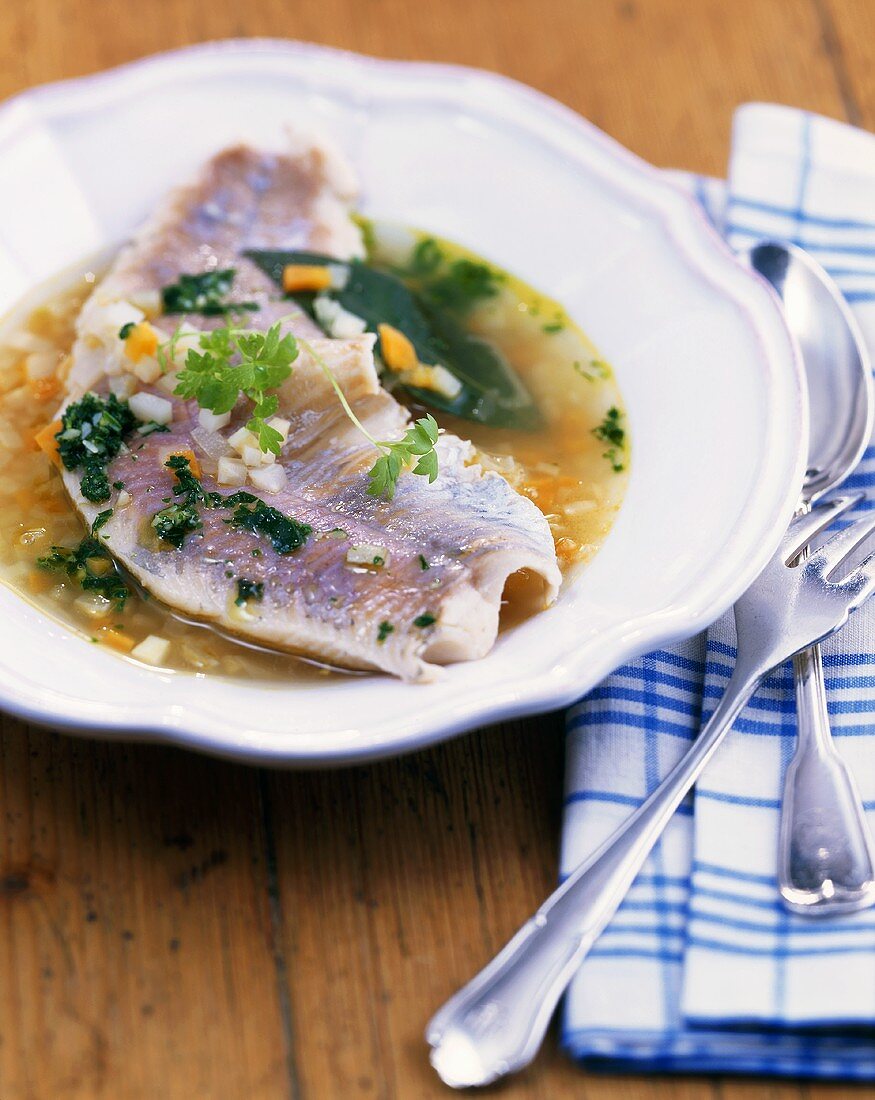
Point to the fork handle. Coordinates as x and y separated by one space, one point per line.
495 1024
826 863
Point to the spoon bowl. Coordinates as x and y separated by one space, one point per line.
826 863
839 376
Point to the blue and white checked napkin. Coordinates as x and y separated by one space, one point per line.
702 969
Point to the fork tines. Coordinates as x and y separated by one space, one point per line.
806 527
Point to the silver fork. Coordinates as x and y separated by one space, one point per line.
495 1024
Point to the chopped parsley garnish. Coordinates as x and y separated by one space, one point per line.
458 285
90 565
383 631
100 520
423 564
552 327
249 513
418 443
422 621
426 257
118 485
230 362
173 523
611 431
125 331
206 293
252 514
188 485
92 433
248 590
461 286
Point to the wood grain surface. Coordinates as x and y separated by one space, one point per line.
177 927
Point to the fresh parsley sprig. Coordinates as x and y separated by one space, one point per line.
418 442
229 362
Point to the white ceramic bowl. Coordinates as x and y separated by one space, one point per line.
709 372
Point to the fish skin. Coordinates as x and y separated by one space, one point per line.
471 528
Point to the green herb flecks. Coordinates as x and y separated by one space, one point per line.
173 523
230 362
251 514
423 621
125 331
90 565
179 519
383 631
248 590
206 293
462 286
188 485
101 520
611 431
423 563
93 431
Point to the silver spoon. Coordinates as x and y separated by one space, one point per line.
826 861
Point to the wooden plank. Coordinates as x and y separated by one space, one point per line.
848 37
135 930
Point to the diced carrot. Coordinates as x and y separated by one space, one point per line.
141 341
303 277
397 351
193 463
116 639
44 388
45 440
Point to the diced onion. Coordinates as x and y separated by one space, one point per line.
231 471
213 421
122 385
269 478
40 364
93 605
337 321
147 370
213 445
241 439
366 553
152 650
149 406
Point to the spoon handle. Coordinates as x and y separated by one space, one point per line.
826 860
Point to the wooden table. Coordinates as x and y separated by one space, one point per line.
176 927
